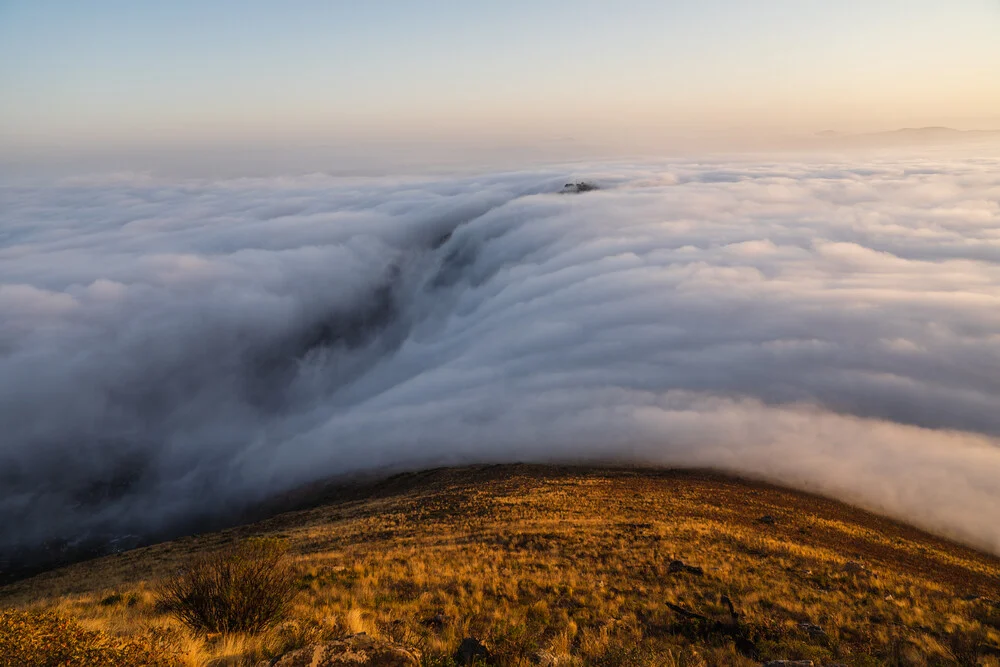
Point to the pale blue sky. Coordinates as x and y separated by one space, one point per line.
123 72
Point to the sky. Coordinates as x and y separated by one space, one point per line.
118 75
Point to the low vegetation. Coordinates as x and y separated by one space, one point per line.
245 588
569 567
41 639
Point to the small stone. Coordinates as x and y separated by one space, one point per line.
767 519
789 663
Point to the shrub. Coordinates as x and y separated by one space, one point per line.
245 588
41 639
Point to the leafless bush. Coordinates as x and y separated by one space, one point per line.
245 588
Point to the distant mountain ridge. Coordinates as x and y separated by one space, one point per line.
932 133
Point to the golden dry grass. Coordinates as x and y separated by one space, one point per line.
573 564
43 639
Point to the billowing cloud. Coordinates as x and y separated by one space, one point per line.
170 349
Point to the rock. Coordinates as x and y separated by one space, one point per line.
813 629
471 651
679 566
579 186
789 663
767 519
358 650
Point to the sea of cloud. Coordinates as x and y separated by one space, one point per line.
171 349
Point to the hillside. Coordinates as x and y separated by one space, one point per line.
551 565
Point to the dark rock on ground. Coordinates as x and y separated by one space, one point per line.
767 519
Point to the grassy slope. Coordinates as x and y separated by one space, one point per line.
575 562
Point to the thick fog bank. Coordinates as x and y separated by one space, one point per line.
171 349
